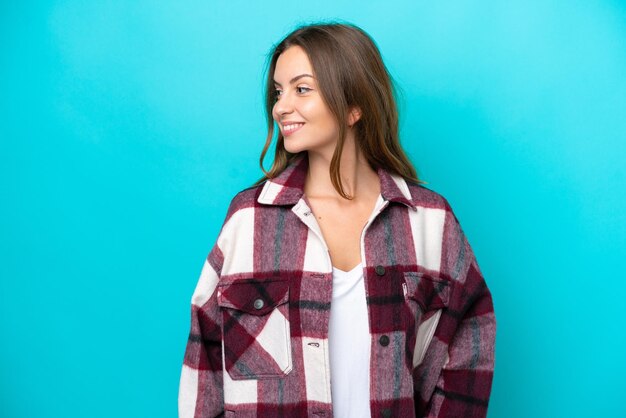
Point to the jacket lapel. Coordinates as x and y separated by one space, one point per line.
288 187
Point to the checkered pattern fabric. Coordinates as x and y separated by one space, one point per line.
258 344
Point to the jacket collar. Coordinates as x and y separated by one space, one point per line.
288 186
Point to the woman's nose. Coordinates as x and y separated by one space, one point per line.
284 104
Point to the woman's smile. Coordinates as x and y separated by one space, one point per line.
290 128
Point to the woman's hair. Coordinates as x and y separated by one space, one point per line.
350 72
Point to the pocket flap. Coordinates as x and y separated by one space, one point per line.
253 296
428 291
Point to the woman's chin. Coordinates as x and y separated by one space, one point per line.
294 148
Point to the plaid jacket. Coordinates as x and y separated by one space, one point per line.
258 344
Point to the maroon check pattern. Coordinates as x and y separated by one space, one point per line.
258 344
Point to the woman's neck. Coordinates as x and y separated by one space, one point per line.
357 177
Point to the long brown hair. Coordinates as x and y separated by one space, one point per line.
350 72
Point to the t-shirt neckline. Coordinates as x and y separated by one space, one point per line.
336 270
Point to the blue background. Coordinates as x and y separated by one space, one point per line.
126 128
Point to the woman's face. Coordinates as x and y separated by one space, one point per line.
302 116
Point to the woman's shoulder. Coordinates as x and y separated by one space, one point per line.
423 196
243 199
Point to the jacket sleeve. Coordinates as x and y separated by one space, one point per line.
454 378
201 385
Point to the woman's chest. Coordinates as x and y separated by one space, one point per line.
342 228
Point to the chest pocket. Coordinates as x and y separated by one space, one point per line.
425 296
255 328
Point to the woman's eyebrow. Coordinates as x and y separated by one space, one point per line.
296 78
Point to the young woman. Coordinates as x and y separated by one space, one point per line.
338 285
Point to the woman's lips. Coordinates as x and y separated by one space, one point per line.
290 128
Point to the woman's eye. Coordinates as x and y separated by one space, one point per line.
299 90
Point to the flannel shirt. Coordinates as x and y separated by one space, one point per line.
258 344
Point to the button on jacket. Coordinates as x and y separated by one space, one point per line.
258 344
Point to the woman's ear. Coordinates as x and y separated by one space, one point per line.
354 115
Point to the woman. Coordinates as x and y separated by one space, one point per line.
338 285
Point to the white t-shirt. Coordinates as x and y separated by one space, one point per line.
349 345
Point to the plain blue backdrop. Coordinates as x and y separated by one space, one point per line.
127 127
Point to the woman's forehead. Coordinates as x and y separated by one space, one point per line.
291 63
